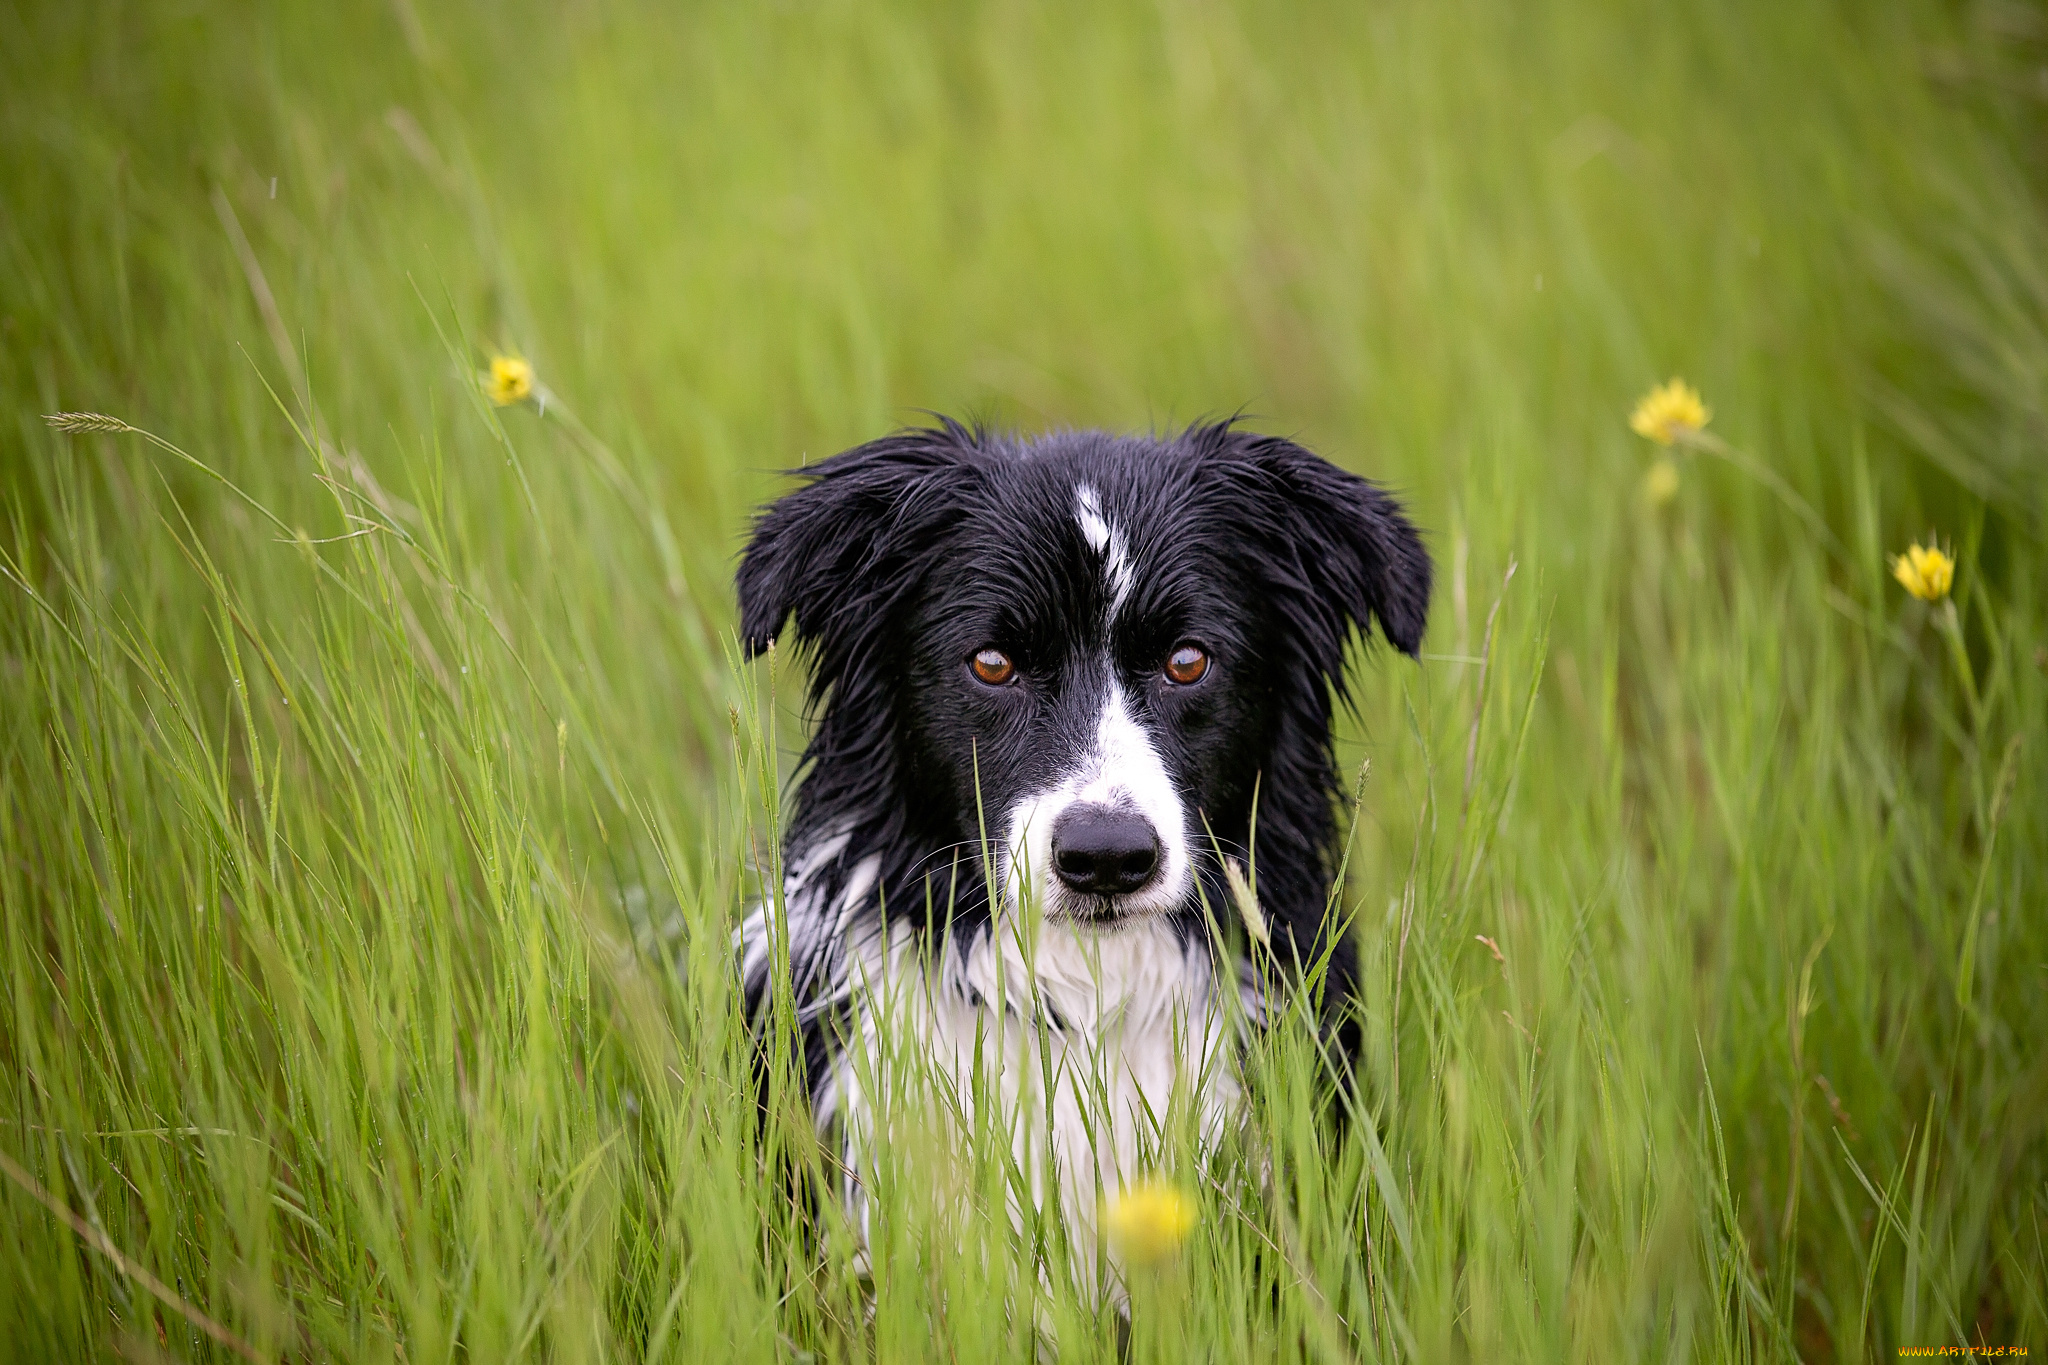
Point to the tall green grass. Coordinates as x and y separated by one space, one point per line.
378 785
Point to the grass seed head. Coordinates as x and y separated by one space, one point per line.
1660 485
74 422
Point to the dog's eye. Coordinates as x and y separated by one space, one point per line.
1187 665
993 667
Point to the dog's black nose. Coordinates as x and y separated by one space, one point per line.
1104 851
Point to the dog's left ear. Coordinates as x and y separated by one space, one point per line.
1340 545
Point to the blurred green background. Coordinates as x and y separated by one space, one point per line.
377 780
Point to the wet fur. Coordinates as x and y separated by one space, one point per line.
1088 557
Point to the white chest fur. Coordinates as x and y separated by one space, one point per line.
1084 1047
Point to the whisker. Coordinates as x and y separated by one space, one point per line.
941 852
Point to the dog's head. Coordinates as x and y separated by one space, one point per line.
1096 652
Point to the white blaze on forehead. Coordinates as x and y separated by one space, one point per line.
1107 539
1120 767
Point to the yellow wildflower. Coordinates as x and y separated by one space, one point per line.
1925 571
1660 485
1148 1222
1669 411
510 380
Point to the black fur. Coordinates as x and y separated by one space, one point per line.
895 561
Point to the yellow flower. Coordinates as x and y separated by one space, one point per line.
1668 411
1925 571
1148 1222
1660 485
510 380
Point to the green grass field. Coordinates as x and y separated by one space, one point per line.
378 782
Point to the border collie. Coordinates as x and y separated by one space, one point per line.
1058 684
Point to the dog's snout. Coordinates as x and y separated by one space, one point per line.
1104 850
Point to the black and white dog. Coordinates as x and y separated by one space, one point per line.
1051 680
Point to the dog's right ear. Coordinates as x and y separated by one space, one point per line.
838 554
